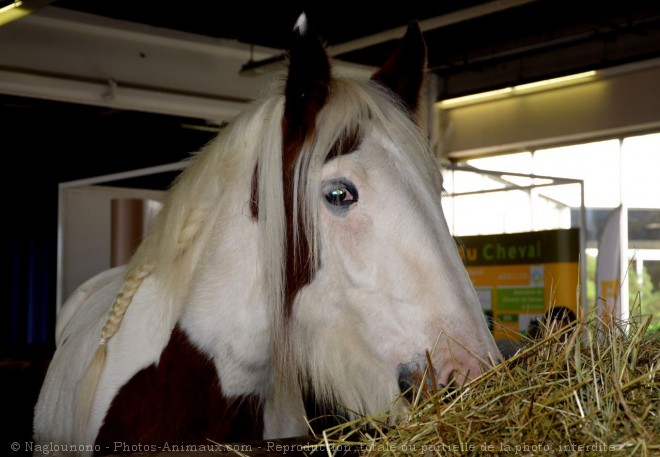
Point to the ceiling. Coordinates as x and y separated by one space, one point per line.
149 46
474 45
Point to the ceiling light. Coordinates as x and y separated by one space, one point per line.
9 6
12 11
468 99
561 81
16 9
509 91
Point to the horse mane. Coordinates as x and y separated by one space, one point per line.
220 177
217 178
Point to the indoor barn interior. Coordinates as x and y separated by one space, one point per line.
541 116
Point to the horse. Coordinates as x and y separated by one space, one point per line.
301 261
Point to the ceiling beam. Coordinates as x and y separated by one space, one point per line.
269 64
433 23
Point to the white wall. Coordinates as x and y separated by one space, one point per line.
85 232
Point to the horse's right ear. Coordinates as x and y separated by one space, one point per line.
404 72
306 84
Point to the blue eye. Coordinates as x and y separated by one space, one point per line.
340 193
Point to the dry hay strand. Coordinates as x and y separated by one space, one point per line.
591 388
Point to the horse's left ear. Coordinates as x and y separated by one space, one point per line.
405 71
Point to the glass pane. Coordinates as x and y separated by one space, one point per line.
520 162
641 171
597 164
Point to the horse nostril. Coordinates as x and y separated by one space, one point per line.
451 381
413 376
406 389
409 379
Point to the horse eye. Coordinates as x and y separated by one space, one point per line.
339 193
339 197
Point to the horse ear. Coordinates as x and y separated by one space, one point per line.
405 70
306 84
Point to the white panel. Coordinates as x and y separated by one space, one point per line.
63 55
613 104
86 231
79 55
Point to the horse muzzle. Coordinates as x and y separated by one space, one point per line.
420 374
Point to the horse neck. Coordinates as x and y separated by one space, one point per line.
225 312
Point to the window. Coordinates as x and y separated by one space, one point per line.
619 171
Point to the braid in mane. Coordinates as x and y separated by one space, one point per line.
190 229
92 376
123 299
169 241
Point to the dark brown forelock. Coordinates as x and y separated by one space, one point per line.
344 145
298 269
306 93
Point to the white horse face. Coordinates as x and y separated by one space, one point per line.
390 285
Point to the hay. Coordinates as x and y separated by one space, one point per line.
592 388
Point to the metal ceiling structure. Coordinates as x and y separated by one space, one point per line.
198 63
474 45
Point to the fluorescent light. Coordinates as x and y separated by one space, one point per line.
508 91
11 6
562 80
12 12
475 97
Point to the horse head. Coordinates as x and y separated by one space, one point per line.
373 279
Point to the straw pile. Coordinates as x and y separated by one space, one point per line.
589 389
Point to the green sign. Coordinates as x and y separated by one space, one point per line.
546 246
521 299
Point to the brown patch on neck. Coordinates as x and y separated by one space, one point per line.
178 401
